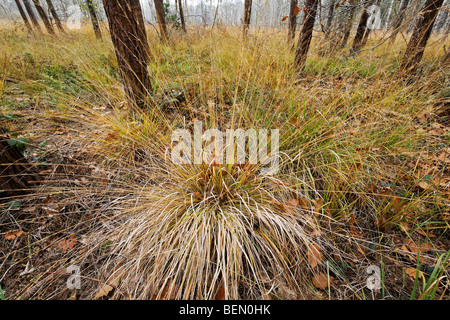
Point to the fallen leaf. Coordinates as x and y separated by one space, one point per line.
68 244
423 185
108 287
11 235
318 204
166 294
314 255
413 273
423 233
220 294
418 248
320 280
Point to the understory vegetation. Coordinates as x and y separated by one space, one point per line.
363 179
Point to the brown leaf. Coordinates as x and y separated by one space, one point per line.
318 204
220 294
423 185
423 233
314 255
296 10
320 280
168 293
284 18
418 248
11 235
413 273
108 287
68 244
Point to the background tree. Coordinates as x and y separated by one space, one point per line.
304 40
44 17
52 10
422 32
180 8
348 25
159 8
31 14
399 20
247 17
131 51
330 16
94 19
24 16
362 32
293 11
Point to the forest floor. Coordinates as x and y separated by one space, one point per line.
363 184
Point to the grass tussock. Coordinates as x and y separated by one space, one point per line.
357 145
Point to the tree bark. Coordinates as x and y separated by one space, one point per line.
161 19
131 48
418 42
348 26
44 17
183 23
24 16
94 19
362 32
247 17
55 16
330 17
17 176
31 14
292 21
399 20
304 40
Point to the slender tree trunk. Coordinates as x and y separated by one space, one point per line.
55 15
247 17
422 33
130 47
94 19
306 32
362 32
183 24
348 27
24 16
16 175
31 14
399 20
292 21
330 16
161 19
44 17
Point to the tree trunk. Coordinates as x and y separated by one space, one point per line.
348 26
24 16
161 19
31 14
247 17
292 21
131 48
306 32
399 20
16 175
362 32
44 17
55 15
183 24
330 16
422 32
94 19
